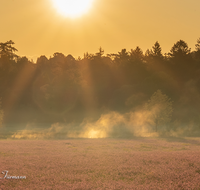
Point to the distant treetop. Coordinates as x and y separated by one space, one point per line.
7 50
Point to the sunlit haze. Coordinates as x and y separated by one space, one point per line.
38 28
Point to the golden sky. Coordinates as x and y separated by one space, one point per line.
37 28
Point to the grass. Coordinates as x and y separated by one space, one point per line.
144 163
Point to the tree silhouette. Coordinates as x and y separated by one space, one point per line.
123 55
137 55
70 58
160 107
100 53
88 56
42 60
180 50
157 51
183 64
155 54
197 48
7 50
197 45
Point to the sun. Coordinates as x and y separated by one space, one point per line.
72 8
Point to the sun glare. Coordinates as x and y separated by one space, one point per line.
94 134
72 8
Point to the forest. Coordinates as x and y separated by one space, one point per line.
123 94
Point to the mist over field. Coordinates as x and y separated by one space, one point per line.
111 125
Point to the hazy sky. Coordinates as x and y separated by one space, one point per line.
38 29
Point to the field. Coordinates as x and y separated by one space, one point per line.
139 163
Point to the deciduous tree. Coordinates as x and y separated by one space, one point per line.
160 107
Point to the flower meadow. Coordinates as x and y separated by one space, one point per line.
88 164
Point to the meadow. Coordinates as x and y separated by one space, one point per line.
138 163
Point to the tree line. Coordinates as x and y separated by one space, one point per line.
64 89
